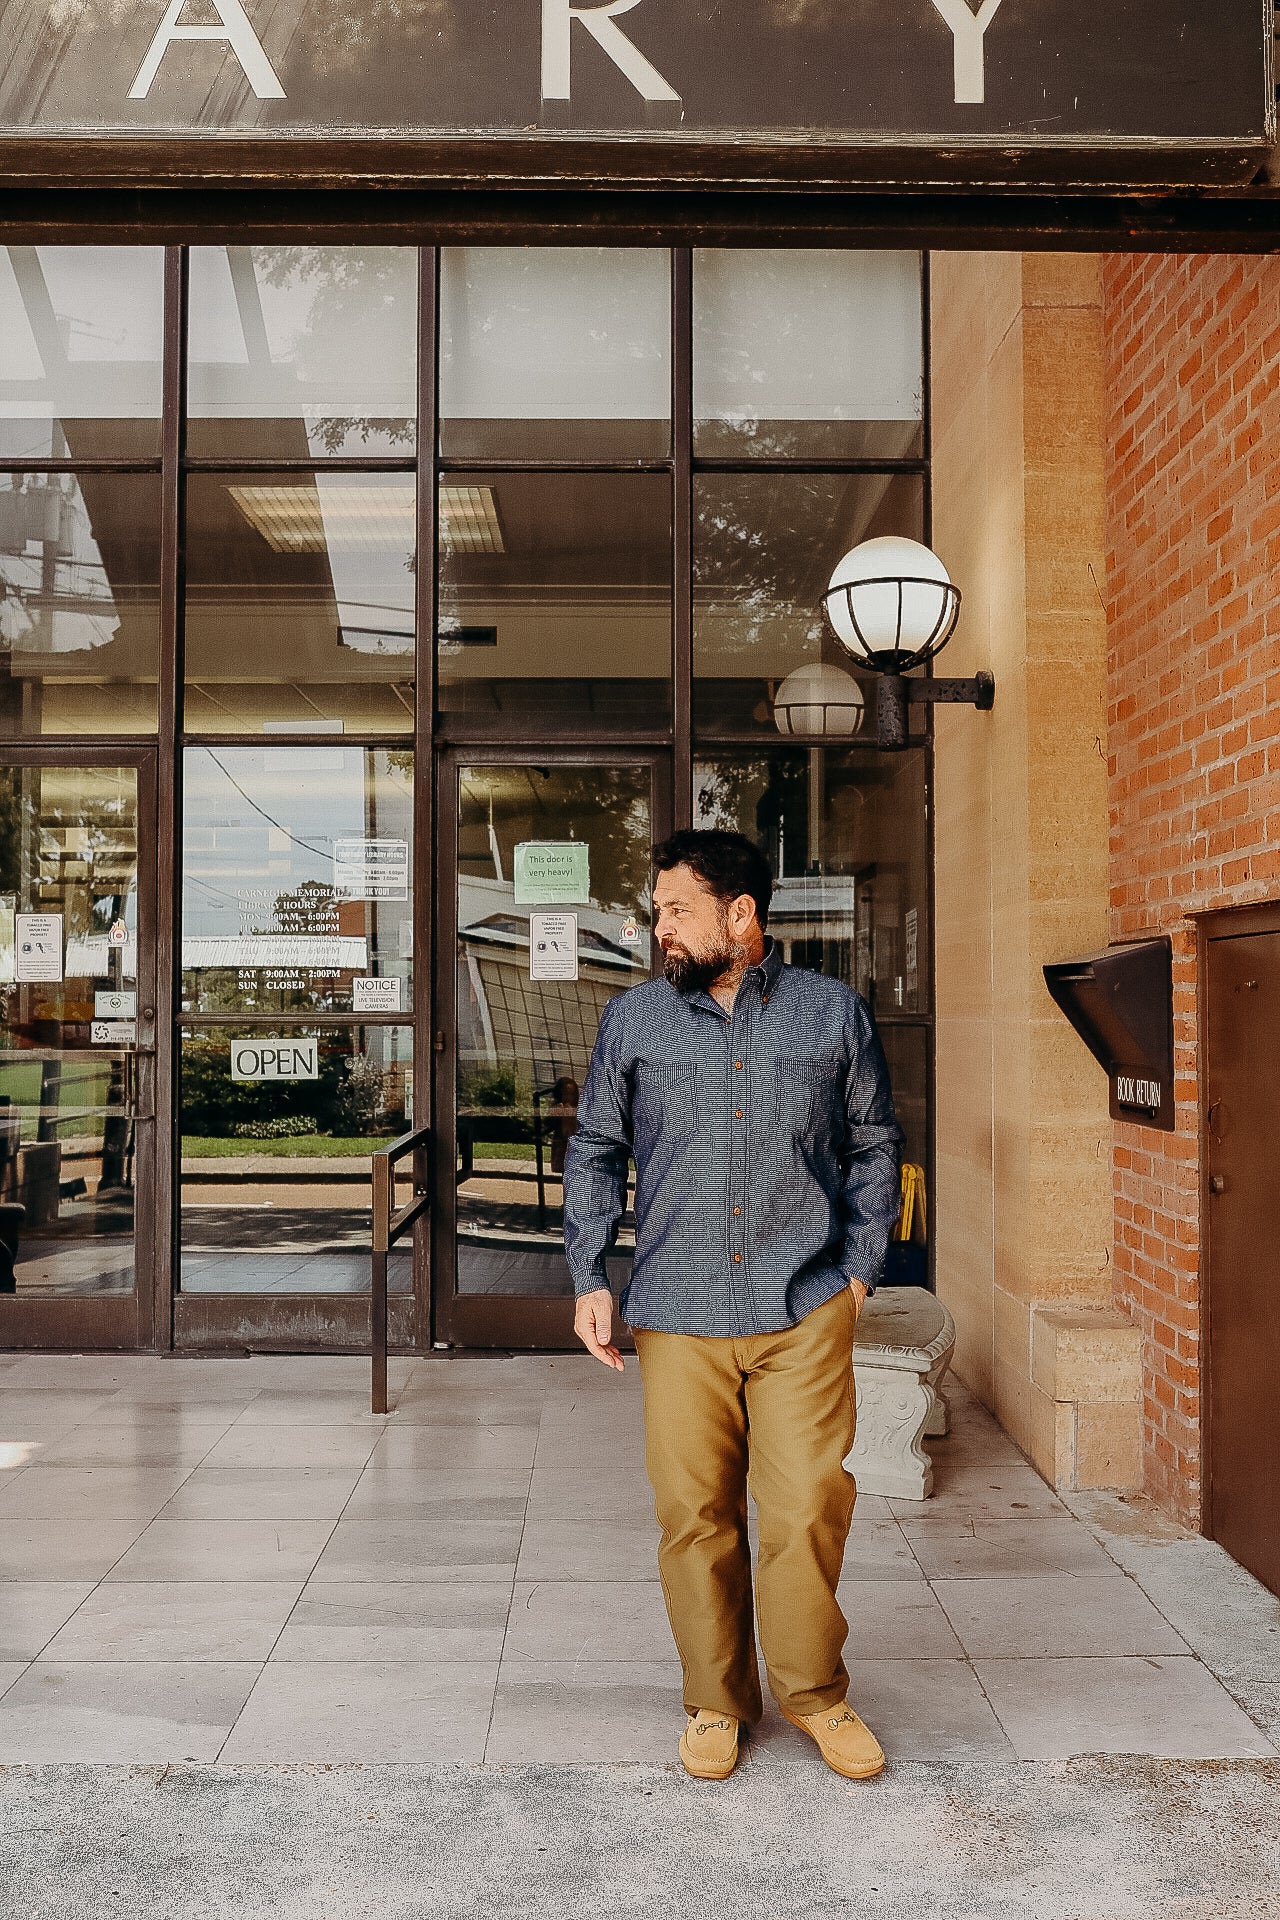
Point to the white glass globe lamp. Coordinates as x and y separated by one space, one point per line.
891 603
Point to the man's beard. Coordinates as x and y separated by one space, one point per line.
697 974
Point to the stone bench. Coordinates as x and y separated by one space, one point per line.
903 1348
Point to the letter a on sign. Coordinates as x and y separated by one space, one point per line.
235 31
558 17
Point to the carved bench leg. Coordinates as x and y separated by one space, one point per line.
939 1421
888 1458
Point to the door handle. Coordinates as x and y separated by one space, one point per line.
1217 1183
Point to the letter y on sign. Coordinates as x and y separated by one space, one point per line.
235 31
970 31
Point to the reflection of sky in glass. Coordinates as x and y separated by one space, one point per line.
262 821
321 335
67 314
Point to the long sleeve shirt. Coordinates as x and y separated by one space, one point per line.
765 1144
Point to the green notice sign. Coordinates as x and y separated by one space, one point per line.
553 873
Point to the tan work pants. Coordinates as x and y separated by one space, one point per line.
772 1412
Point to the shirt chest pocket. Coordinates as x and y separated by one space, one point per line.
666 1099
808 1096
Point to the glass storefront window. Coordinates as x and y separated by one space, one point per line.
555 598
81 338
297 879
300 602
302 352
79 602
846 836
69 1097
278 1125
555 353
764 548
799 354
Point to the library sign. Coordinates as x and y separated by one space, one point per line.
667 89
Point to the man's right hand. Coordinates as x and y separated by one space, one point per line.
593 1324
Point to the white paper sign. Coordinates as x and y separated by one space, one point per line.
552 873
270 1059
371 869
114 1006
553 946
38 946
370 995
113 1033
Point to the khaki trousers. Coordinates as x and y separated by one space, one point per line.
773 1413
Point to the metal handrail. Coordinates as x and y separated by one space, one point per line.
389 1226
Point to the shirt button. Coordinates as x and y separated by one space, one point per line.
738 1114
737 1259
737 1209
764 999
738 1065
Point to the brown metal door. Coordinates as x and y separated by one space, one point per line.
1243 1031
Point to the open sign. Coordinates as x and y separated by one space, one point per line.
275 1059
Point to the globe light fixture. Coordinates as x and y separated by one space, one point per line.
819 699
892 606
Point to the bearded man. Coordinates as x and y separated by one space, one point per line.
755 1100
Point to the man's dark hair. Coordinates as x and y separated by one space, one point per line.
728 863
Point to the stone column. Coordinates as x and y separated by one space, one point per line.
1024 1141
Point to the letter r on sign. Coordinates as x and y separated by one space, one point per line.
558 17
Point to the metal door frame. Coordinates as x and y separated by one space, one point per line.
117 1322
505 1322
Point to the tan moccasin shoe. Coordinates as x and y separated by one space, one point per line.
847 1746
709 1745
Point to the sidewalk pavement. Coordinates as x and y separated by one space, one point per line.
263 1652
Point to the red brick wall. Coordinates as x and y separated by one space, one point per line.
1192 347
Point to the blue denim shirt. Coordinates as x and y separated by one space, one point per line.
765 1144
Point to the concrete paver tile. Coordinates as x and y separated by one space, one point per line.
580 1622
877 1550
555 1548
11 1671
98 1714
441 1449
264 1493
917 1709
475 1541
292 1447
400 1492
138 1448
1015 1546
252 1550
110 1493
32 1611
54 1550
1170 1707
994 1487
381 1620
561 1713
895 1621
623 1493
377 1713
1046 1616
429 1405
338 1407
217 1620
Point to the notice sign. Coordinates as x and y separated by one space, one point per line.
113 1033
38 946
553 946
553 873
114 1006
371 869
369 995
275 1059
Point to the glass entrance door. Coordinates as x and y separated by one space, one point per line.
545 877
78 1198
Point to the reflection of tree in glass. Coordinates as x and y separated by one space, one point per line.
357 293
608 807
